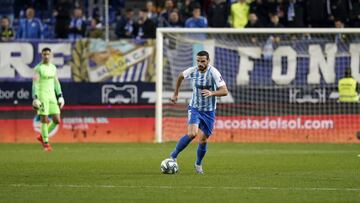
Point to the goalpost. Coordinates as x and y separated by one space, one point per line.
282 83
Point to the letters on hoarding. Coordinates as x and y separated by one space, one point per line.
17 59
85 60
127 61
321 64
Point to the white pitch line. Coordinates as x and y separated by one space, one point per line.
183 187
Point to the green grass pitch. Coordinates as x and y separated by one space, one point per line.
131 173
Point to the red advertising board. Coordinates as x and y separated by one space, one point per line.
81 124
302 128
137 124
79 130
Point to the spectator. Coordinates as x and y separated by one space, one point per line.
317 15
95 30
355 13
185 9
174 20
7 9
62 16
338 9
253 21
30 27
218 14
7 32
147 28
239 14
151 11
275 21
126 27
338 23
197 21
77 26
164 16
260 9
278 7
294 13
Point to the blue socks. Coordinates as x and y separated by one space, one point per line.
181 144
201 151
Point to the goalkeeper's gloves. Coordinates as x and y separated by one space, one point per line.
36 104
61 101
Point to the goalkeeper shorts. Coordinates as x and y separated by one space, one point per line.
48 107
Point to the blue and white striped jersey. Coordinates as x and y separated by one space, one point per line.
211 79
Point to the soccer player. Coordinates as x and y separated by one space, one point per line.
47 94
347 87
207 84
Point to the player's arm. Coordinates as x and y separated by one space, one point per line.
180 78
220 83
35 90
58 92
35 86
220 92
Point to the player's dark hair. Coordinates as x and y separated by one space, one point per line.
347 72
45 49
203 53
196 6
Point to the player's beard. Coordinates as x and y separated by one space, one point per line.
202 68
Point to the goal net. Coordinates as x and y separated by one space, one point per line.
282 83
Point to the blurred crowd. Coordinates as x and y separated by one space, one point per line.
69 19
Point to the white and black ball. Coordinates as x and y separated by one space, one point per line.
169 166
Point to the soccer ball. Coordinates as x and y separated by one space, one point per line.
169 166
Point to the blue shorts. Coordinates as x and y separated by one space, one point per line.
204 119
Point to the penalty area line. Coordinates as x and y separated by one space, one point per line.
184 187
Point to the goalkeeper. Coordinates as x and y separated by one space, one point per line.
47 94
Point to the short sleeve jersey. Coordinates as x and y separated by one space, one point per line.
210 79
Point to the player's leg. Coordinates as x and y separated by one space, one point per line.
54 122
47 108
43 112
184 141
193 121
200 153
202 148
54 110
206 126
44 128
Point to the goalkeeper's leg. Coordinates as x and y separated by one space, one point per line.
43 112
44 128
55 121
